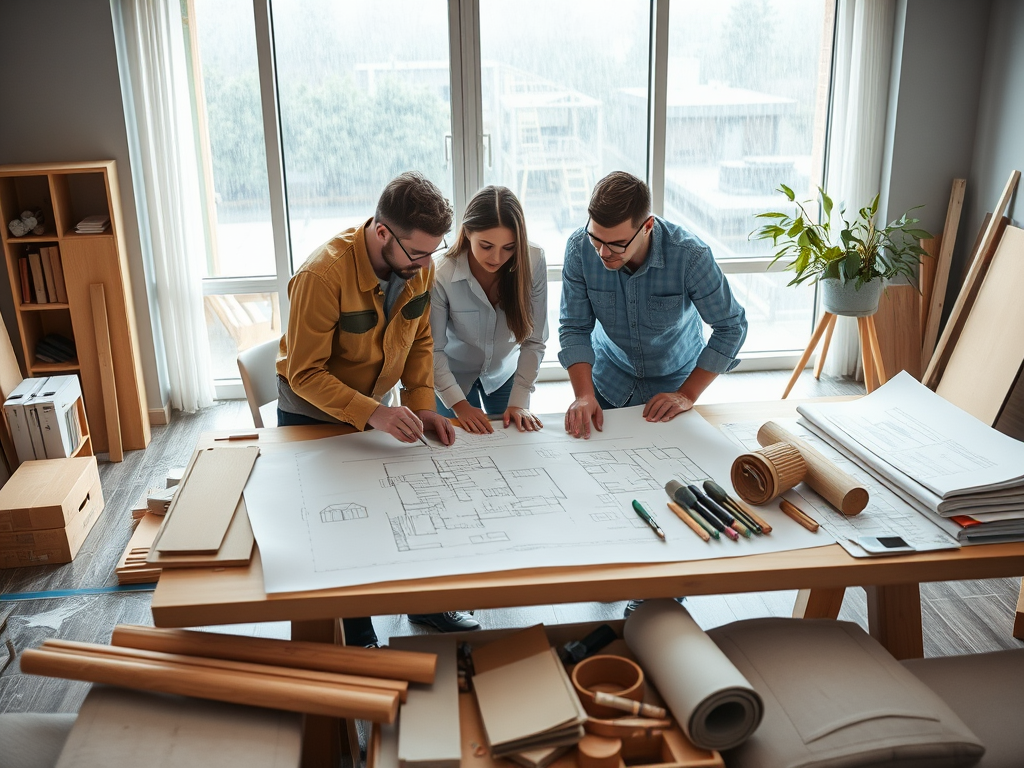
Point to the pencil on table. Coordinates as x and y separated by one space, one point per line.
799 515
739 526
750 513
692 524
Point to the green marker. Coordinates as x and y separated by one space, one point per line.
648 518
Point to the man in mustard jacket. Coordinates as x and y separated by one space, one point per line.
359 324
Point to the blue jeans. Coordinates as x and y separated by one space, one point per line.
494 404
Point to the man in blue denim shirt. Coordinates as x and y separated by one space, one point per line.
634 291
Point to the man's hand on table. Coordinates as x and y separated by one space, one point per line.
581 413
665 406
399 422
439 425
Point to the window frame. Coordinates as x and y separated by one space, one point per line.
468 154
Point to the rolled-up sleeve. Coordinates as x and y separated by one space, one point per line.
710 293
576 316
531 351
445 384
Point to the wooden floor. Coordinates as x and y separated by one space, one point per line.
959 617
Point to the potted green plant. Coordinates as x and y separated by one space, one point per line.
851 268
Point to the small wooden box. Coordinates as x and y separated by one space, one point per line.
47 509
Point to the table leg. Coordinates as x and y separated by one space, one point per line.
322 736
819 603
894 619
1018 619
865 356
876 351
818 366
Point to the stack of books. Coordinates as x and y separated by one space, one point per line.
958 471
42 277
54 348
93 225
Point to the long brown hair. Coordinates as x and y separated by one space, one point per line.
497 207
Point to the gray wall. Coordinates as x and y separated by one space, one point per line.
938 59
61 54
999 137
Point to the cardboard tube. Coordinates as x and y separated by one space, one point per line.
372 662
711 700
348 681
763 475
838 488
218 684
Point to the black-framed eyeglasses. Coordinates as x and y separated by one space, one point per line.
442 249
618 248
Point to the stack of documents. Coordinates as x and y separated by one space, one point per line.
963 474
526 699
93 225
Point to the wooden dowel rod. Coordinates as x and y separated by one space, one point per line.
839 489
400 687
372 662
217 684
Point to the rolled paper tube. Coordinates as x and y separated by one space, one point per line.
401 687
708 696
218 684
628 705
371 662
763 475
626 727
838 488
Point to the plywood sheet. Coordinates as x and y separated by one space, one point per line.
987 358
236 548
199 517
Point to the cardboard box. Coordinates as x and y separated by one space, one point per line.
47 509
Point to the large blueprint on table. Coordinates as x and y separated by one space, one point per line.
364 508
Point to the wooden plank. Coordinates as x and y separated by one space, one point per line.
201 512
938 295
926 279
1018 619
984 364
819 603
236 549
898 329
969 291
106 367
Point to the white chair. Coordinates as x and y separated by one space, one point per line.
259 378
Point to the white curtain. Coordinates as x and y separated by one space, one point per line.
864 40
155 54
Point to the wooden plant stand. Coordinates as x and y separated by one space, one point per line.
871 354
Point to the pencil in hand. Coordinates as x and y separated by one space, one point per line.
691 523
799 515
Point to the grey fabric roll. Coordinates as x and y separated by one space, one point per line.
711 700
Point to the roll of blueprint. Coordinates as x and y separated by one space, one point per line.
710 699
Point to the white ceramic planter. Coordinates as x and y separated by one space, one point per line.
846 299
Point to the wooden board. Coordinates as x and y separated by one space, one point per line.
132 568
972 284
938 291
898 325
200 514
106 367
984 364
235 550
926 277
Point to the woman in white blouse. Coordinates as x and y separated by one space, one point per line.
488 316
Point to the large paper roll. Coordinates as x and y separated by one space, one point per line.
710 699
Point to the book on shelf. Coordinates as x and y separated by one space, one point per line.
35 262
51 291
26 289
93 224
58 275
54 348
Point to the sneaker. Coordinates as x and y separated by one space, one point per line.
449 621
359 633
632 605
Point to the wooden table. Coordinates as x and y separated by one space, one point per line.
191 597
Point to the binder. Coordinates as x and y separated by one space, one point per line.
53 407
26 289
51 290
17 417
35 262
58 275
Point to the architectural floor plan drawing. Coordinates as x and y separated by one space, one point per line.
364 508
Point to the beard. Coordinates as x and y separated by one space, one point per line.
400 265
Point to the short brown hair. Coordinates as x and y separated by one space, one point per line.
412 201
617 197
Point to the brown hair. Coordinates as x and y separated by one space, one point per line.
412 201
497 207
617 197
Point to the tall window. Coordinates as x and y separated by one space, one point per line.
562 92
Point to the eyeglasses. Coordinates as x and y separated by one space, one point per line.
444 247
618 248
